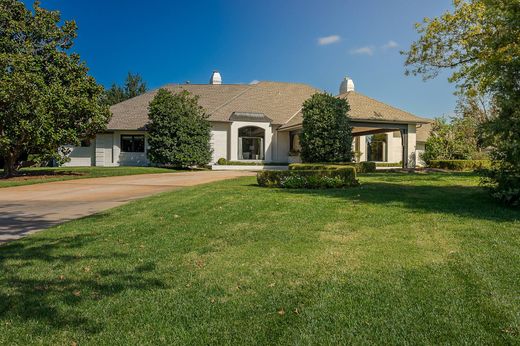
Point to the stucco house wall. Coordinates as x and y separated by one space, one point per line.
219 140
268 138
81 156
282 147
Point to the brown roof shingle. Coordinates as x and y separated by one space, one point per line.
365 108
423 132
278 101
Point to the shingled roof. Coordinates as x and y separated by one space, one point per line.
277 101
365 108
423 132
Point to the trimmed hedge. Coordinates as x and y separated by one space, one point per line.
460 165
361 167
309 179
389 164
223 162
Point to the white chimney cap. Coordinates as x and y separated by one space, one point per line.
216 78
346 85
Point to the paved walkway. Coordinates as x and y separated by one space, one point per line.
31 208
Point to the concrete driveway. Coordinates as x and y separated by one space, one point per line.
31 208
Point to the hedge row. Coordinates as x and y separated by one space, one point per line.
459 165
223 162
309 179
389 164
361 167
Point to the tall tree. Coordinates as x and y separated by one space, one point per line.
134 86
457 139
326 133
480 42
47 98
115 95
179 132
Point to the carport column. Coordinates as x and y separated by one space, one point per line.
409 146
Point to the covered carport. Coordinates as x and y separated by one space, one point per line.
407 131
371 117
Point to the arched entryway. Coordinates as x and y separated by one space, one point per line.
251 141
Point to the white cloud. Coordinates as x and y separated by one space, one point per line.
367 50
254 81
323 41
390 45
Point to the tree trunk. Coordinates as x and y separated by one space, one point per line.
9 165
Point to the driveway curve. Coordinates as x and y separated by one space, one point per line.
31 208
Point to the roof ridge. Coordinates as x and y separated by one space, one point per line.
249 87
292 116
290 83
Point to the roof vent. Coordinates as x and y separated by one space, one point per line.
216 78
346 85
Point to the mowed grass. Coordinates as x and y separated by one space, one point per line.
402 259
28 176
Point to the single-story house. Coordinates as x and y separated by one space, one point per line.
257 122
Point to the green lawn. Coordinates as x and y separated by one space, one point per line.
43 175
402 259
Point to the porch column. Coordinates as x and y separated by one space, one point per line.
409 146
363 148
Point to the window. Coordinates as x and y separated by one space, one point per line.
132 143
250 143
294 142
376 147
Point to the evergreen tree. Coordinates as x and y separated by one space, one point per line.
179 130
327 133
134 86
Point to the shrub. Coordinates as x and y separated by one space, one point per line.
179 132
224 162
389 164
460 165
309 179
365 167
326 129
361 167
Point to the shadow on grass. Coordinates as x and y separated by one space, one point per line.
466 201
53 298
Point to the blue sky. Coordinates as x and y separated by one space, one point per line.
177 41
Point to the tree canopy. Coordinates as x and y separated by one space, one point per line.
47 98
479 41
134 86
179 130
327 133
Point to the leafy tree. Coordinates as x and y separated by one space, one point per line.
179 130
460 137
134 86
115 95
327 133
440 143
47 98
480 42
